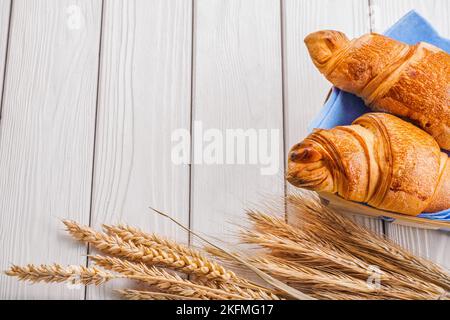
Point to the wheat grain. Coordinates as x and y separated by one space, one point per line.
302 274
294 274
289 260
320 282
163 280
307 253
56 273
294 244
314 217
139 237
152 256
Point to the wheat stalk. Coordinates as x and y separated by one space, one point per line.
163 280
310 269
319 282
152 256
141 238
306 253
294 244
247 293
333 283
261 260
131 294
325 255
56 273
314 217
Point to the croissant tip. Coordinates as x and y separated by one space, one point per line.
320 34
323 44
307 154
333 37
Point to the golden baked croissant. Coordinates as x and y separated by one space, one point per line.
380 159
390 76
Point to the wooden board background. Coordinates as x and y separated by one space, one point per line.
144 94
93 90
47 136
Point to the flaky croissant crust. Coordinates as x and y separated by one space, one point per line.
390 76
380 159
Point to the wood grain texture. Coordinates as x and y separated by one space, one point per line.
47 137
237 84
431 244
305 89
5 10
145 85
387 12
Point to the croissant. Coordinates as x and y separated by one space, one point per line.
380 160
390 76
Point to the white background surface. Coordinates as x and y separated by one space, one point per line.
92 91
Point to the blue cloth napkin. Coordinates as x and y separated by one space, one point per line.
343 108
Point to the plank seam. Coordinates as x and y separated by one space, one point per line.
6 56
371 4
88 247
371 15
191 119
283 100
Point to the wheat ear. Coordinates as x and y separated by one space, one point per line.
294 274
56 273
161 279
294 243
141 238
151 256
321 283
313 216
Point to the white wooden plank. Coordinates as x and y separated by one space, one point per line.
305 89
237 84
430 244
145 85
386 13
46 137
426 243
5 10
